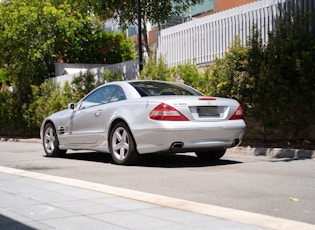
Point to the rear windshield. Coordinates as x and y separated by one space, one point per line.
152 88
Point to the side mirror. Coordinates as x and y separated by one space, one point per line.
71 106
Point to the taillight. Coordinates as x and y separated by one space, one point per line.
238 113
166 113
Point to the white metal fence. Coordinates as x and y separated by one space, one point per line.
201 40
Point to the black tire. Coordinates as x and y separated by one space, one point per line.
51 142
211 155
122 145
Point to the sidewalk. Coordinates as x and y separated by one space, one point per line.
37 201
27 203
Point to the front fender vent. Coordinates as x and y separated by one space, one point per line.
61 130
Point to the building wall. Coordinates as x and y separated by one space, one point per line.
220 5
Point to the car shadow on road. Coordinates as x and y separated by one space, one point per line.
153 160
89 156
180 161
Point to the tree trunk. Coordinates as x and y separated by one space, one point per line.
145 36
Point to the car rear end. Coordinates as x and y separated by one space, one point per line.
189 123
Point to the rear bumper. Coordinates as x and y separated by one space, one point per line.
187 136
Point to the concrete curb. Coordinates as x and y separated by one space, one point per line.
274 152
271 152
23 140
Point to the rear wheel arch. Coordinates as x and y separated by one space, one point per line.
112 125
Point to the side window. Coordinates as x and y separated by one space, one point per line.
99 96
118 95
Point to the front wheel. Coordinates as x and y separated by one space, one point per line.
51 143
211 155
122 145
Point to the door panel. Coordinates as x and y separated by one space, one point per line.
87 125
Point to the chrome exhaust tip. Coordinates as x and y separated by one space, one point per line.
235 142
177 145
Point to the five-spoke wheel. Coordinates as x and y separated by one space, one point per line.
122 145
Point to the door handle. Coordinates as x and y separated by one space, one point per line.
98 113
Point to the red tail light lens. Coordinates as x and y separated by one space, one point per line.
166 112
238 113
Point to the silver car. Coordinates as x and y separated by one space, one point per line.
130 118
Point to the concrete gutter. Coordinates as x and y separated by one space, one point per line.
271 152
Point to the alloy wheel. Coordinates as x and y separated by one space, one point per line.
120 143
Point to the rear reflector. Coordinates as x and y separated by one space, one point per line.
238 113
166 112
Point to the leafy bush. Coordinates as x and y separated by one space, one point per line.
109 76
156 70
190 75
48 98
159 70
227 76
284 78
83 84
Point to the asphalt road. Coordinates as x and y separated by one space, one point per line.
276 187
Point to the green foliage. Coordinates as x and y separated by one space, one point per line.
86 82
48 98
3 76
7 114
274 82
97 7
36 34
33 35
120 48
263 87
103 46
190 75
156 12
284 78
109 76
227 77
156 70
186 73
127 10
24 119
83 84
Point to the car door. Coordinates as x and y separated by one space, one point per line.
88 121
